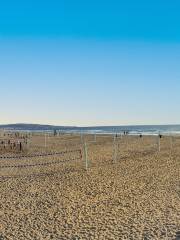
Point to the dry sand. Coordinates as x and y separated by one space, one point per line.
138 197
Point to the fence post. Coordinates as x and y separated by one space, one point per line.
115 149
159 143
27 143
171 142
81 138
95 137
45 140
85 156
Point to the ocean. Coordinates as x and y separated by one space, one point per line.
132 130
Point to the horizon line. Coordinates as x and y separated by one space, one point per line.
91 126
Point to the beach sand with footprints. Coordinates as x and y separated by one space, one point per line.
130 189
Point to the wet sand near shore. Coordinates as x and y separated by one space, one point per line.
133 196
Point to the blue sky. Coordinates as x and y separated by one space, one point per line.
90 62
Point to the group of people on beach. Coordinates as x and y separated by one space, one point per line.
140 135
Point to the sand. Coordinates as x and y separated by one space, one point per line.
135 196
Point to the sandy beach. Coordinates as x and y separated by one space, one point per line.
132 192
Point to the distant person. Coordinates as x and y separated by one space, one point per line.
20 146
160 136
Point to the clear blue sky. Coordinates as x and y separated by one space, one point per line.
90 62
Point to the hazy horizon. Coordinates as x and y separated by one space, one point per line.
95 63
91 126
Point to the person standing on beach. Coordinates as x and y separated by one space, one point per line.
20 146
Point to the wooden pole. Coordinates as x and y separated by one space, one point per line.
85 156
115 150
45 141
95 137
81 138
159 143
171 142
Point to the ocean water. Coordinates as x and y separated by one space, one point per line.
132 130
